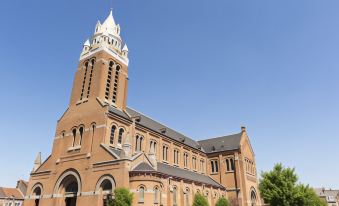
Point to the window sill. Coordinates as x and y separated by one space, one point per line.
228 172
81 101
75 148
214 173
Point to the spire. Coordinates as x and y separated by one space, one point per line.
125 48
87 43
109 22
37 162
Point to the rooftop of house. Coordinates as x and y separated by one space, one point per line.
11 193
329 194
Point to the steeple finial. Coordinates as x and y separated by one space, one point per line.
109 23
37 162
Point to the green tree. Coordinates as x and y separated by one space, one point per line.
222 202
280 187
123 197
199 200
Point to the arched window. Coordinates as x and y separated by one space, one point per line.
186 160
175 196
81 131
176 156
165 153
232 164
214 166
194 163
156 195
138 143
90 77
74 132
93 126
121 133
186 195
106 186
115 85
202 166
253 198
84 81
153 147
227 165
111 138
141 194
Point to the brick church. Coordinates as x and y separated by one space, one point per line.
101 144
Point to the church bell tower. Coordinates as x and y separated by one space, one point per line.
102 73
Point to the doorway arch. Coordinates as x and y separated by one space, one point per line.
36 193
69 187
253 196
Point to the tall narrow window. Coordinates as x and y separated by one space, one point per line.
111 138
141 194
185 160
214 166
202 166
156 195
109 79
138 143
90 78
227 165
232 164
121 133
165 153
115 86
81 131
84 81
153 147
186 194
174 196
194 163
74 132
176 157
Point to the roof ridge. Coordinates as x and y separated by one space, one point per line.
162 124
219 137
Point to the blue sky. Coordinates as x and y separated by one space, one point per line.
202 67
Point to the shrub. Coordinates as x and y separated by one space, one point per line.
222 202
199 200
123 197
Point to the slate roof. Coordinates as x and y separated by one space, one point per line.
143 167
156 126
177 172
219 144
10 193
181 173
116 151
